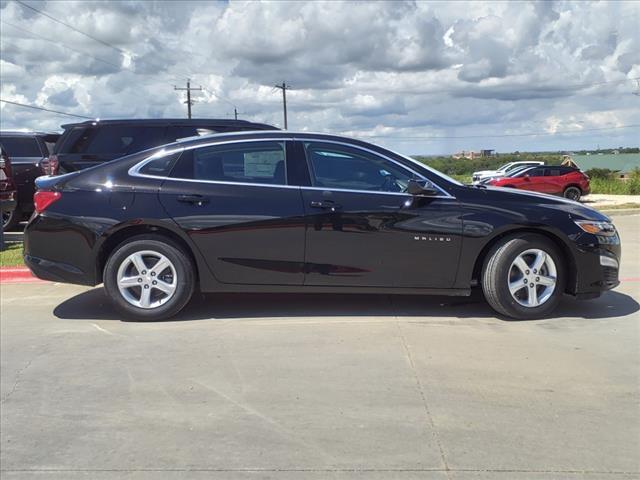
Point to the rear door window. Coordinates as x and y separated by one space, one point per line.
116 140
247 162
21 147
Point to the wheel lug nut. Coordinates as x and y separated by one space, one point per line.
139 280
154 282
146 286
153 274
537 279
144 272
531 285
525 280
527 272
535 271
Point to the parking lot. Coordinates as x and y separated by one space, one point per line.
321 386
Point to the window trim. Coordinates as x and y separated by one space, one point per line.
134 170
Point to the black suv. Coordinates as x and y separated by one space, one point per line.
28 152
89 143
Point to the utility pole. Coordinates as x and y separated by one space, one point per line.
189 89
235 112
284 88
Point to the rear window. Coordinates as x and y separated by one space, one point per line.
113 140
21 146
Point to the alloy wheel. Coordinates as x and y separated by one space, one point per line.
572 193
147 279
6 219
532 278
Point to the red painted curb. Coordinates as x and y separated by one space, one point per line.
17 275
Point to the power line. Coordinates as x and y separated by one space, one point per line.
529 134
106 44
189 89
45 109
284 87
37 35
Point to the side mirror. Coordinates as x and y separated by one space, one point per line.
421 188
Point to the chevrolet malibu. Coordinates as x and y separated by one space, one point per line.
276 211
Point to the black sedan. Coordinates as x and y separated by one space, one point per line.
278 211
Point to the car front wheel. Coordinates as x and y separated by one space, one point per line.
149 278
524 277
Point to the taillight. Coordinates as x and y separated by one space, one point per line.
42 199
50 165
6 181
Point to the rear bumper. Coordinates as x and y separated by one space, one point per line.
56 271
59 250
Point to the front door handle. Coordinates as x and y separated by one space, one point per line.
193 199
326 205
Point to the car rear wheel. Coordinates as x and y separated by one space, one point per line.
524 278
572 193
149 278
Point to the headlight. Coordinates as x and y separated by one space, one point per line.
597 228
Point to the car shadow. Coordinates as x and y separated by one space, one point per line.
95 305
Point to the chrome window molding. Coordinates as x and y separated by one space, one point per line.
134 171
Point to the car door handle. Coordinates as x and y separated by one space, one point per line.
326 205
194 199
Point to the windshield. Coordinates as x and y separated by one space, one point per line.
505 167
519 169
433 170
522 171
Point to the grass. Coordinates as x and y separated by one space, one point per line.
614 186
11 256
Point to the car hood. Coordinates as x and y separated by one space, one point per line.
576 210
486 172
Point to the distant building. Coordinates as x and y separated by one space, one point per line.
471 155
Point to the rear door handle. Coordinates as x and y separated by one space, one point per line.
326 205
194 199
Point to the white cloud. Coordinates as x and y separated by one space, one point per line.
393 70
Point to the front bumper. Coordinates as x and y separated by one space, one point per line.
597 264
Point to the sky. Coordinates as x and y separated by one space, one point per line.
416 77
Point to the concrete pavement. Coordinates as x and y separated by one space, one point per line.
321 386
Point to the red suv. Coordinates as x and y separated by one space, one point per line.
566 181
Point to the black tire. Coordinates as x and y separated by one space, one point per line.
184 270
10 220
572 193
497 270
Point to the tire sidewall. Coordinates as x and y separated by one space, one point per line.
568 189
509 254
184 273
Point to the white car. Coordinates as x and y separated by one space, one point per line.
502 171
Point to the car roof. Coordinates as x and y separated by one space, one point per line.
280 134
218 122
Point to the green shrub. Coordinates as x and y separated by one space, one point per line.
603 173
